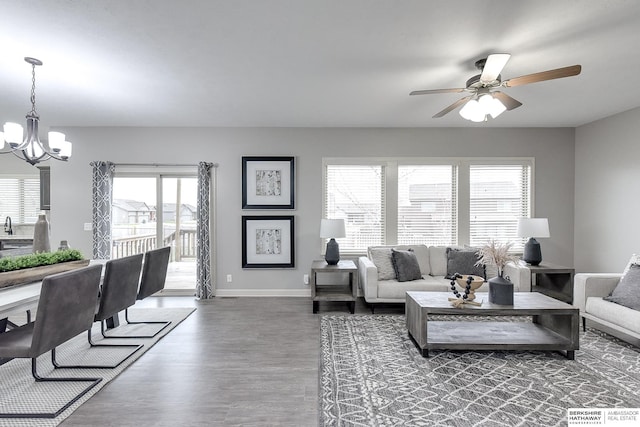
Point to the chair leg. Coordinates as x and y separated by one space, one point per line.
38 378
126 316
92 344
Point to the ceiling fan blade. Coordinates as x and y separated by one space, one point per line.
452 106
432 91
558 73
506 100
493 67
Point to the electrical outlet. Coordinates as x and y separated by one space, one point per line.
229 278
88 226
305 279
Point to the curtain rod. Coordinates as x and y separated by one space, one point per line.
161 164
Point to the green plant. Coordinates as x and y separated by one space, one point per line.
39 259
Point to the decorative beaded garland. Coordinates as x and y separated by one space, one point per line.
466 290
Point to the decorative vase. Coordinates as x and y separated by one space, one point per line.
41 235
500 291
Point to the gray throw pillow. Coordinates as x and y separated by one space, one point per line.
627 291
463 262
405 263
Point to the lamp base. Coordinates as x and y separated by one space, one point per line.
532 254
332 255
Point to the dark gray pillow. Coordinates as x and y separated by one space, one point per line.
463 261
627 291
405 263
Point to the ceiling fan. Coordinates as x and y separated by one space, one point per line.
485 99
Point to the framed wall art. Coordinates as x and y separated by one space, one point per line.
268 241
268 182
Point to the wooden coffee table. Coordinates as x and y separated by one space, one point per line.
555 325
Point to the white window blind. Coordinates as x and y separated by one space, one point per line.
427 205
356 193
499 195
20 199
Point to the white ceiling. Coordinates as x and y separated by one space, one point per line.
306 63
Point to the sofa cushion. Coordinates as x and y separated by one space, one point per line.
381 257
394 290
405 265
438 260
463 261
614 313
627 291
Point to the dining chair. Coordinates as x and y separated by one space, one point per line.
117 293
65 309
154 274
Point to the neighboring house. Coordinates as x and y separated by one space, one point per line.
187 212
132 212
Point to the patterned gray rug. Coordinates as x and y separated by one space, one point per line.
372 374
20 393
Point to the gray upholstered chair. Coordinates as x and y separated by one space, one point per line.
65 309
118 292
154 274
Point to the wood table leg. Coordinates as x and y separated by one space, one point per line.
315 307
571 354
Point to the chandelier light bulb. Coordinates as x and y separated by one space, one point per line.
496 108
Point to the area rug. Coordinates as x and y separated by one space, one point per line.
20 393
372 374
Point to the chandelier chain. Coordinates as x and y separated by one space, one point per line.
33 89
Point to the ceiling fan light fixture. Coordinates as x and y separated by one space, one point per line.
473 111
496 108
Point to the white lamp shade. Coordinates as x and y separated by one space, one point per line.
533 227
332 228
1 140
56 139
13 133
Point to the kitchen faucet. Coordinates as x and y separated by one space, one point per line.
7 226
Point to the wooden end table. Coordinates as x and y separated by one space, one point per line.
332 292
553 280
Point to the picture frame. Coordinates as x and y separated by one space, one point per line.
268 182
268 241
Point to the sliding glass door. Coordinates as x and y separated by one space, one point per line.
150 211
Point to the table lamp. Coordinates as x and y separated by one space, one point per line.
532 228
332 229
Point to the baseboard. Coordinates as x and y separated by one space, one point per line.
301 293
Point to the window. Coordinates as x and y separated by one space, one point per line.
432 201
355 193
20 199
499 195
427 204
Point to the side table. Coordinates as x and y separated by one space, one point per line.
339 292
553 280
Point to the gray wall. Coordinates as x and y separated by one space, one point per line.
606 193
553 150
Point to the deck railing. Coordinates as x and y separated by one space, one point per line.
183 248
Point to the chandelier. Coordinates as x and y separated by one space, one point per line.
30 148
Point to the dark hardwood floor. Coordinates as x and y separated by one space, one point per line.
234 362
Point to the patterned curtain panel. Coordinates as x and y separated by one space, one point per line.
205 271
102 199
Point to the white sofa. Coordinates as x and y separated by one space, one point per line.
433 267
615 319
